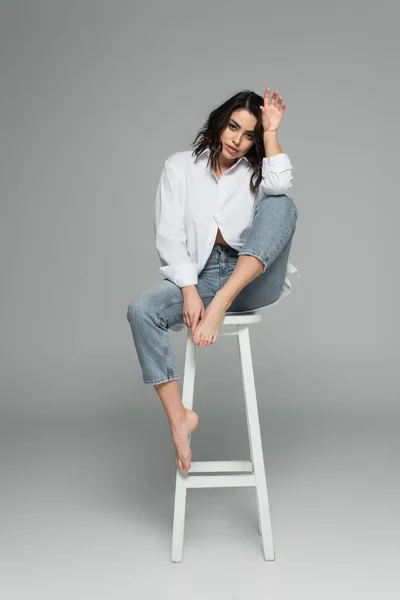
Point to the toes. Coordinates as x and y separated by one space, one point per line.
183 464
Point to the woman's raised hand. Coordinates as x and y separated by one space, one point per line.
271 113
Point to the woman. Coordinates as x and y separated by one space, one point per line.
223 227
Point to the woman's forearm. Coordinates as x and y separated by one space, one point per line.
271 145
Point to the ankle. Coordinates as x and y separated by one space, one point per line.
223 299
177 419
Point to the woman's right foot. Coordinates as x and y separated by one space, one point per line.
180 431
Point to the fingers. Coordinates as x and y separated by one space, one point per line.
274 99
191 316
196 318
194 323
190 321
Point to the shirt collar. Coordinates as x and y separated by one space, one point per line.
207 151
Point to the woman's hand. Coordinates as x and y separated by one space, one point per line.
193 308
271 114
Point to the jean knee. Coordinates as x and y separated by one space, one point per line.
136 308
290 206
281 205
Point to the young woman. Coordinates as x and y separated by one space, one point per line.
223 227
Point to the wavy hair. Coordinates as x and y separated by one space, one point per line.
218 119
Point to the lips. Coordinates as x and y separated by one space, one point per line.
233 149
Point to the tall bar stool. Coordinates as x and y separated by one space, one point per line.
237 473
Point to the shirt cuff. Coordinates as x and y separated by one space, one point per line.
278 163
182 275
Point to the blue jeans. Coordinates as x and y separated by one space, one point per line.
160 307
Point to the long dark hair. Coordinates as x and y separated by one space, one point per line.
209 134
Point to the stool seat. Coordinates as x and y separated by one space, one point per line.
236 473
242 318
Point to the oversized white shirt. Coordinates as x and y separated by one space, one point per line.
192 203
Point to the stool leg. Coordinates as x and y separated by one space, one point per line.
253 425
178 528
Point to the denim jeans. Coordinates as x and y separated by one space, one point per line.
157 309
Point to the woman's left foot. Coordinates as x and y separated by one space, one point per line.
209 326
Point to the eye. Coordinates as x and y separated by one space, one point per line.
233 126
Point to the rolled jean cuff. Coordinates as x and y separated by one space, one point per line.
163 380
259 256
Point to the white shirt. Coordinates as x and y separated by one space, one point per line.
192 203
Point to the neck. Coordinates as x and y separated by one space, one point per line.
226 164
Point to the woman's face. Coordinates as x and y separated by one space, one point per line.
238 134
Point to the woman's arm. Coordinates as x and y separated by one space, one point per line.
170 232
271 145
276 166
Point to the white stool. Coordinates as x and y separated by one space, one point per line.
241 472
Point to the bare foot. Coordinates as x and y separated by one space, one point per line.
209 326
180 431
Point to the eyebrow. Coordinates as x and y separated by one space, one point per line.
248 131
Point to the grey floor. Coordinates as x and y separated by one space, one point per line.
87 500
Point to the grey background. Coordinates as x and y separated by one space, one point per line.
94 97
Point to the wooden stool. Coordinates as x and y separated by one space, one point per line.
240 472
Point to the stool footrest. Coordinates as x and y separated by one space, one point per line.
221 466
210 481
